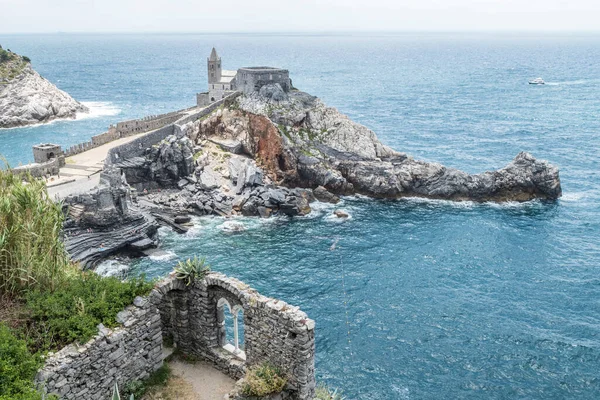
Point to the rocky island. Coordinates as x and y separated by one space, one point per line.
27 98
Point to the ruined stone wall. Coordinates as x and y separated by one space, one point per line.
275 332
190 318
125 354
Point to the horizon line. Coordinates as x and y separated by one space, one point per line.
309 32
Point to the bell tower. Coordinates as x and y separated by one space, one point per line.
214 67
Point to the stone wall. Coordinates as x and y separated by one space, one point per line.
39 170
128 353
149 123
138 146
251 79
192 316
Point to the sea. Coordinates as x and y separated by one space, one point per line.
413 299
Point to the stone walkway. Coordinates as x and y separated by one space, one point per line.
82 171
208 383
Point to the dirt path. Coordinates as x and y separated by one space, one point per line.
208 383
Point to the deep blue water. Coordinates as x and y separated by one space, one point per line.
444 300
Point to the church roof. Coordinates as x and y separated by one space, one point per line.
213 55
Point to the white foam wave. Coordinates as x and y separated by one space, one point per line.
112 268
162 255
232 226
573 196
98 109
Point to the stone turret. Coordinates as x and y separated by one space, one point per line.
214 67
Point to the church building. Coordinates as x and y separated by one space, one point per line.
222 83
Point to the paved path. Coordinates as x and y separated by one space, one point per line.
208 383
82 171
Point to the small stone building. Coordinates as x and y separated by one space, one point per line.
45 152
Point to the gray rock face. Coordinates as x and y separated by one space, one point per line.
163 164
318 146
31 99
105 221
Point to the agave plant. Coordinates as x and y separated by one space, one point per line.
191 269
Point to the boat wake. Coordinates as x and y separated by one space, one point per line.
576 82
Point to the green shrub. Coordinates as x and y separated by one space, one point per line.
74 312
32 254
191 269
138 389
322 392
17 368
26 59
263 380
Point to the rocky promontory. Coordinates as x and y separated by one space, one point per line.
27 98
300 142
271 153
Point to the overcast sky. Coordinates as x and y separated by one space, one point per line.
297 15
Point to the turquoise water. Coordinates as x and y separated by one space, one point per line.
469 301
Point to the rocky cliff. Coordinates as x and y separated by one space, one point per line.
27 98
301 142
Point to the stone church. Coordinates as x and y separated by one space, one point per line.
222 82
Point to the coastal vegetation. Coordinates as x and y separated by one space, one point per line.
11 64
263 380
323 392
46 301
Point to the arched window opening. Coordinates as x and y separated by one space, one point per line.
231 328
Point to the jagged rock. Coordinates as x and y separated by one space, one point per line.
341 214
244 173
106 221
301 142
163 165
28 98
325 196
208 180
182 219
273 92
142 244
234 146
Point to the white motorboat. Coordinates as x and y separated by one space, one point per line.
537 81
